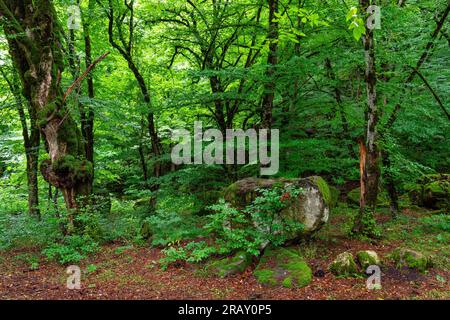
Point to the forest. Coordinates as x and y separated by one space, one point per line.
224 149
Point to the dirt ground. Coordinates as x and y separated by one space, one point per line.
134 274
127 272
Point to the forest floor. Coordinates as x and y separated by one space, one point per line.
121 271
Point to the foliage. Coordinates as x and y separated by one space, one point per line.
209 62
248 230
73 249
170 228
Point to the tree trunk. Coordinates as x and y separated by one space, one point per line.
125 51
370 159
88 126
32 153
34 40
31 142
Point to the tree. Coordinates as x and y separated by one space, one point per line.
124 45
31 141
34 38
370 156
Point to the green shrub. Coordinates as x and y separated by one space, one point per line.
73 249
166 228
232 230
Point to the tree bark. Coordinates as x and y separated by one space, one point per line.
88 125
31 142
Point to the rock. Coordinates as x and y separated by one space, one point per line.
319 273
232 265
283 267
367 258
382 200
411 259
311 208
431 191
344 265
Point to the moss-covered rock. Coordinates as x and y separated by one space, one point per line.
431 191
232 265
310 209
344 265
367 258
283 267
404 257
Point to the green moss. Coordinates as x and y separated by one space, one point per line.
431 191
437 187
300 271
265 276
287 282
45 113
70 134
324 189
410 259
230 193
232 265
73 170
367 258
283 267
344 265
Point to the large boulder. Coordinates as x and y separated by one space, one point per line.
431 191
283 267
310 208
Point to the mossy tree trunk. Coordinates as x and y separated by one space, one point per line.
34 41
